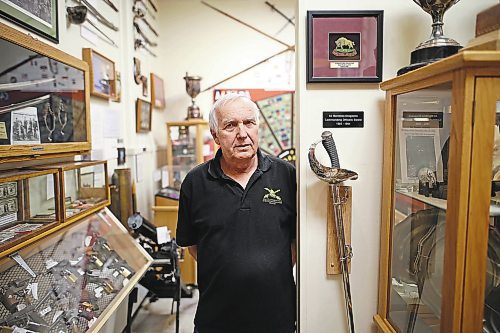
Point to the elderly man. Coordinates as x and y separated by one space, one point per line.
237 214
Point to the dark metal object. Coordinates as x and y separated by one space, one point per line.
92 10
333 176
153 5
143 35
145 7
111 4
139 43
140 14
78 15
437 46
280 12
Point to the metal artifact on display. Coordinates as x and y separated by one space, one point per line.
334 176
193 89
437 46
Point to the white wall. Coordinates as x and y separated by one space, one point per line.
360 149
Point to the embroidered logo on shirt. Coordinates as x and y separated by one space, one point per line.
271 197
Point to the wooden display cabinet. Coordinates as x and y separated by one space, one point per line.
440 246
44 109
28 206
189 143
84 187
165 214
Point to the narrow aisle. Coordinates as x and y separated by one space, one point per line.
156 317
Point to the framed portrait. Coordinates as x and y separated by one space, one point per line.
142 116
344 46
157 92
102 74
39 16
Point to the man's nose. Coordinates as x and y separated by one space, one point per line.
242 131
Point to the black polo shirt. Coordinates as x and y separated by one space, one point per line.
243 237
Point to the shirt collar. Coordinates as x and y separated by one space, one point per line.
215 170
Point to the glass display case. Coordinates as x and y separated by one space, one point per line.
440 244
28 205
189 143
84 187
43 99
72 280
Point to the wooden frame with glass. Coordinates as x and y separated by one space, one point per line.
45 106
102 74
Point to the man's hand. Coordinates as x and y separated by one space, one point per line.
193 250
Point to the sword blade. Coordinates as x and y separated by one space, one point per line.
344 264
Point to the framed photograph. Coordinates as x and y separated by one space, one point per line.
142 116
102 74
344 46
157 92
39 16
87 179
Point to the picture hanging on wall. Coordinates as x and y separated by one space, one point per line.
344 46
157 92
102 74
39 17
142 116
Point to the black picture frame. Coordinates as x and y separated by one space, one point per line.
40 17
344 46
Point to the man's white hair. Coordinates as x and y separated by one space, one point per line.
224 100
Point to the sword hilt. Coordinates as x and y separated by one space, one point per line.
331 149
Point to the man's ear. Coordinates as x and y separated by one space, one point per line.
214 135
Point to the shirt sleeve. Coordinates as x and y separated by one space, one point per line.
186 233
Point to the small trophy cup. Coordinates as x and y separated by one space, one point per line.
193 89
437 46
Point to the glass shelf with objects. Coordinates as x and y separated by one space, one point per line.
84 187
44 99
28 205
189 143
71 280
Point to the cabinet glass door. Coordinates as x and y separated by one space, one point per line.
422 131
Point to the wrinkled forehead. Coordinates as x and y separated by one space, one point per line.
239 109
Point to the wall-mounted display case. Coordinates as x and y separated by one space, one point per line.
28 205
440 237
44 99
72 280
84 187
189 143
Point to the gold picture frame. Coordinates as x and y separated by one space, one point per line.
143 115
157 92
102 74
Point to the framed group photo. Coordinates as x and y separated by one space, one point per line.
143 116
344 46
39 16
102 74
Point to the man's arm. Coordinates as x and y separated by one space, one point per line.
294 252
193 250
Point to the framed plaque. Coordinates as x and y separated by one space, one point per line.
39 17
344 46
102 74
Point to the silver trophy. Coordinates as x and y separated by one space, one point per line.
193 89
437 46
